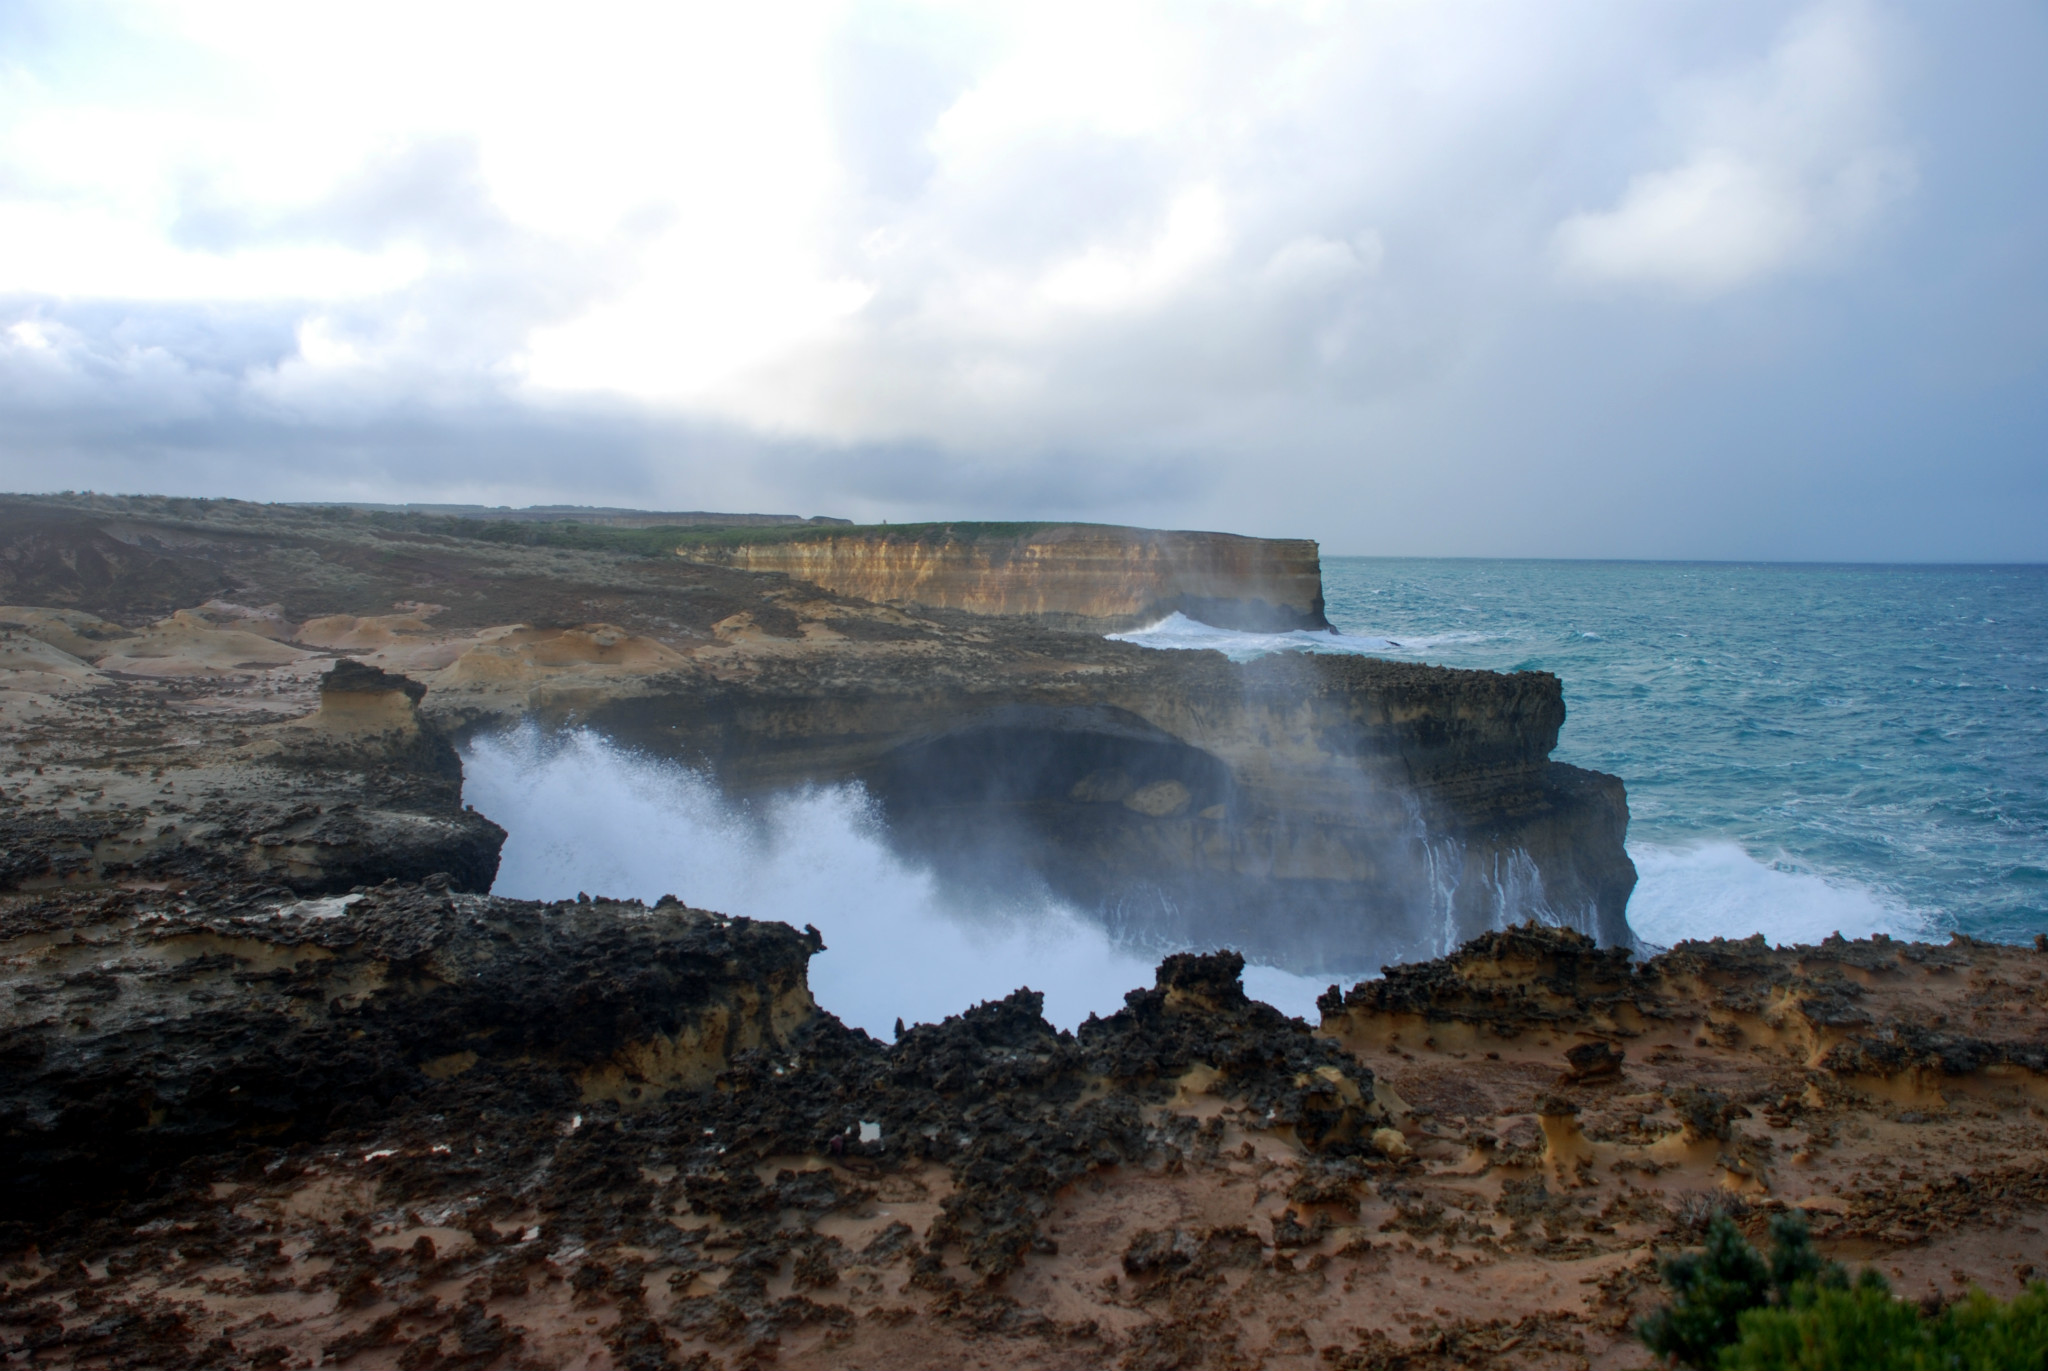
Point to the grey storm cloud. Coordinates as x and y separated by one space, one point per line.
1695 280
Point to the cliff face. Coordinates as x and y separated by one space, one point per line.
1329 814
1075 575
1325 813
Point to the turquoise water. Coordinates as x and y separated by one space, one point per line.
1806 748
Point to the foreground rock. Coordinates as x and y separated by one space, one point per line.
146 1029
429 1129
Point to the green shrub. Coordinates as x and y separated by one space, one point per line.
1865 1329
1862 1329
1731 1309
1712 1289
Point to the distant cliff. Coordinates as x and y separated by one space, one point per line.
1090 576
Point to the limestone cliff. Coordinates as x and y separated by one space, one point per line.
1328 814
1324 813
1090 576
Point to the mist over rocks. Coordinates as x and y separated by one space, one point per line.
1325 815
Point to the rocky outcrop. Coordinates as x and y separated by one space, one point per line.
392 1131
1087 576
1326 813
124 783
140 1030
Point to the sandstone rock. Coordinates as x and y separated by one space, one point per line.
1087 576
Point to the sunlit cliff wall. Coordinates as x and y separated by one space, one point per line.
1075 575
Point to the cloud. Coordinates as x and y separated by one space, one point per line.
1371 272
1786 162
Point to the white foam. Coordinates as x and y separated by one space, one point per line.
1289 993
584 815
1177 632
1717 889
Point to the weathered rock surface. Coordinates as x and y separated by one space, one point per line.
128 786
144 1029
1094 577
428 1129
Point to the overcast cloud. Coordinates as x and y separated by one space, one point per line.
1573 279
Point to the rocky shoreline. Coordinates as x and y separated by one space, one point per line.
430 1129
284 1085
1317 812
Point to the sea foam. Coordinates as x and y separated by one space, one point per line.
585 815
1717 889
1177 632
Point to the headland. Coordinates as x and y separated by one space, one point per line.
286 1085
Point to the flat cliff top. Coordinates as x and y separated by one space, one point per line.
967 532
415 594
598 515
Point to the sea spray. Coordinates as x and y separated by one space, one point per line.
1806 748
1716 889
1870 740
586 815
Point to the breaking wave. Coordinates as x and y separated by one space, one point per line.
1718 890
584 815
1178 632
1707 890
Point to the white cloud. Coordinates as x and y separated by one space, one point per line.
1103 280
1787 161
1246 263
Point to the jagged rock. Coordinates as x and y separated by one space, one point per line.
146 1029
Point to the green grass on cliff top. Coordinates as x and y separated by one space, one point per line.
663 541
666 540
955 532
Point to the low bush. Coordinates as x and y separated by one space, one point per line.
1735 1310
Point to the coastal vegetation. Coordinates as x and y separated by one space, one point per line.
1735 1309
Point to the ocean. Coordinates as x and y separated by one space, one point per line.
1807 748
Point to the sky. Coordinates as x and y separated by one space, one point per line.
1713 279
